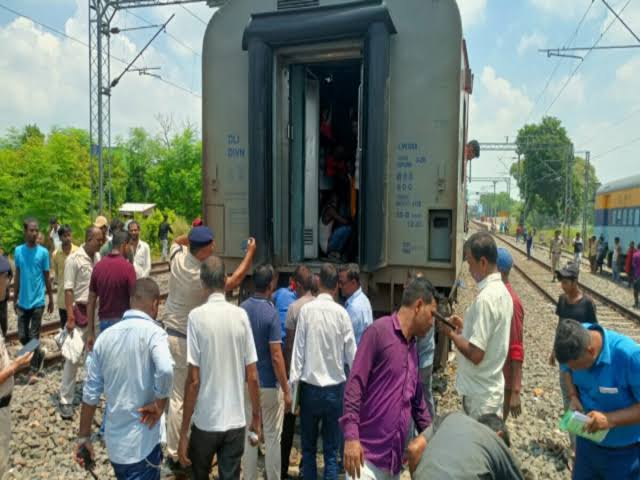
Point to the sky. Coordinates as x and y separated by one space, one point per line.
44 75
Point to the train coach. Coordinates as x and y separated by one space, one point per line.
296 92
618 211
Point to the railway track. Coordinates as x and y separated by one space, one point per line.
49 329
611 313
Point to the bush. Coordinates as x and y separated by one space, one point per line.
149 228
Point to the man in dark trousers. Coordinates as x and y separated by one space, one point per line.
113 281
163 234
32 278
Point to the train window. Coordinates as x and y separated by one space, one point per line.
440 232
638 216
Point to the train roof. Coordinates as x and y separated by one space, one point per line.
622 184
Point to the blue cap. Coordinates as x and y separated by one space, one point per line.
505 260
5 266
202 235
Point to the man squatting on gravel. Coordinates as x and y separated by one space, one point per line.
602 373
8 369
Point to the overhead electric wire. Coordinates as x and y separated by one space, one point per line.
555 69
169 34
193 15
618 147
575 70
62 34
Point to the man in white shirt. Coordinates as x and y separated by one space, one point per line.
482 338
221 353
140 251
77 277
324 343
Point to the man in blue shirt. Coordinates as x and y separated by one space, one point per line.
132 365
283 298
32 278
357 305
602 371
266 329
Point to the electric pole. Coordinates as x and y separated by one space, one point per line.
585 195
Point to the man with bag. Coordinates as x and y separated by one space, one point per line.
77 276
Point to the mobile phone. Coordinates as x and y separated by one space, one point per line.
444 320
32 346
245 245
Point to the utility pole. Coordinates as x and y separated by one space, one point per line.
585 196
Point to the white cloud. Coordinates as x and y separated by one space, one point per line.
45 80
572 95
472 11
563 8
534 40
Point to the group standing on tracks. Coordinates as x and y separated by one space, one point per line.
219 378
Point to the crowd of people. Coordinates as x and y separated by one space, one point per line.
214 379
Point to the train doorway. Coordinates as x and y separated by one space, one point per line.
325 105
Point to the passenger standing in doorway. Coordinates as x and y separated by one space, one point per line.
555 251
59 258
186 293
357 304
578 248
163 235
334 230
32 279
219 334
139 251
275 396
385 379
113 281
616 259
482 338
324 343
77 277
131 364
303 281
512 370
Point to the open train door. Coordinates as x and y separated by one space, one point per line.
304 111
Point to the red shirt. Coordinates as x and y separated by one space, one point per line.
516 348
113 280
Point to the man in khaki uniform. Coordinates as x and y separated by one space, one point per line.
185 294
77 276
557 244
8 369
59 258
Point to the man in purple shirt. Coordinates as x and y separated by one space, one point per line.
635 266
384 391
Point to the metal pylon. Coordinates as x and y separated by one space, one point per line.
100 16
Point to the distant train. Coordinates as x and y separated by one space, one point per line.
290 84
618 211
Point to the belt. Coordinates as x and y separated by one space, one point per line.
5 401
175 333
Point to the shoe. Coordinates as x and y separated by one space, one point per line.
173 467
66 411
43 354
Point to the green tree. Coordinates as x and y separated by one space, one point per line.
500 202
545 150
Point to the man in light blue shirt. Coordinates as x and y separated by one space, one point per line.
357 305
132 365
602 372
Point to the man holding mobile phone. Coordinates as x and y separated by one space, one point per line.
8 369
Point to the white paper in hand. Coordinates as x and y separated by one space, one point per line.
73 347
